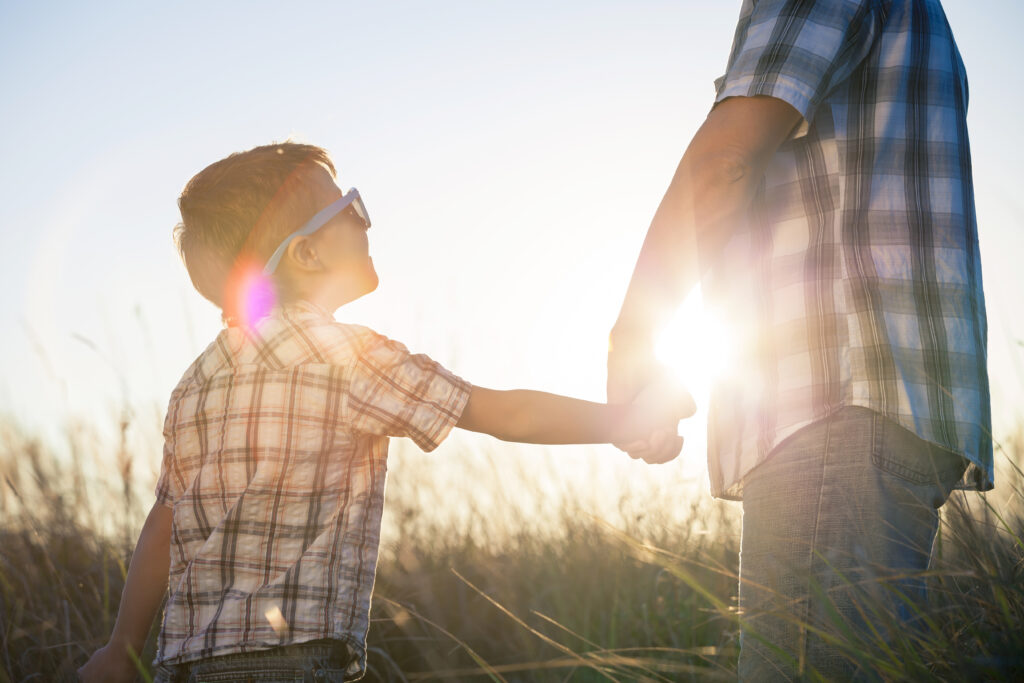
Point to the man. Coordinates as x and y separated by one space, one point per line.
826 206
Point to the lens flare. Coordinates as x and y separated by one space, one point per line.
249 295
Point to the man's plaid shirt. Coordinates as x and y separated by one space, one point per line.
274 465
857 279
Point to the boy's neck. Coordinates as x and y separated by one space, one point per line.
327 304
321 298
329 296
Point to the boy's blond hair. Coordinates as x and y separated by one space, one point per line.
237 210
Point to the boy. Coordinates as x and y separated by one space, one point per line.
271 489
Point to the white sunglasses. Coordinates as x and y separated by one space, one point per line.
316 222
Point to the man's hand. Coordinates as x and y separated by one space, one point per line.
109 663
631 365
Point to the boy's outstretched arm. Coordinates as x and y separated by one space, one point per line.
538 417
144 589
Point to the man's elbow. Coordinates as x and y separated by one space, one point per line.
722 170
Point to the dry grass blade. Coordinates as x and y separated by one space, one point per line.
611 657
484 666
573 662
581 659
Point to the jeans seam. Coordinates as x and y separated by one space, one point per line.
802 626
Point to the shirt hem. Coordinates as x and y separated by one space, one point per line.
975 477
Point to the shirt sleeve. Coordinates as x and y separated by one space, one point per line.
798 50
392 392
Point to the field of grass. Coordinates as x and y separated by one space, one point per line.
491 594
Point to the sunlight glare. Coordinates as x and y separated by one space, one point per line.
696 346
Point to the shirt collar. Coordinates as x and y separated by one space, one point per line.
302 307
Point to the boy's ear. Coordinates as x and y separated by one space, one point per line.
303 254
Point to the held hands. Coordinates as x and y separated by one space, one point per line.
657 402
653 418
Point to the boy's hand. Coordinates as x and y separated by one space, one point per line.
655 414
109 663
660 447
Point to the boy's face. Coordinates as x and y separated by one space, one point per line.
342 249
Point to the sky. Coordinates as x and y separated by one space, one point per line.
511 155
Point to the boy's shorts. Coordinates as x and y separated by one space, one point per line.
318 661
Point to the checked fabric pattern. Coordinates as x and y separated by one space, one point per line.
856 280
275 455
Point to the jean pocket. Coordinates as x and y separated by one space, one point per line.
903 454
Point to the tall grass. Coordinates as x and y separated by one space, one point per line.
503 593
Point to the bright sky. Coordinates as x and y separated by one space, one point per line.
511 155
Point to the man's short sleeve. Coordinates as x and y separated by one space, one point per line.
798 50
392 392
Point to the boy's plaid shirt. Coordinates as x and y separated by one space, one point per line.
274 463
857 279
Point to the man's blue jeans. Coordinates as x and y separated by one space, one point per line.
838 525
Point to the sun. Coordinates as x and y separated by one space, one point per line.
696 345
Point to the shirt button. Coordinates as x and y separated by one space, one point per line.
319 675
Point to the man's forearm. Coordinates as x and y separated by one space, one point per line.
705 201
146 582
708 197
